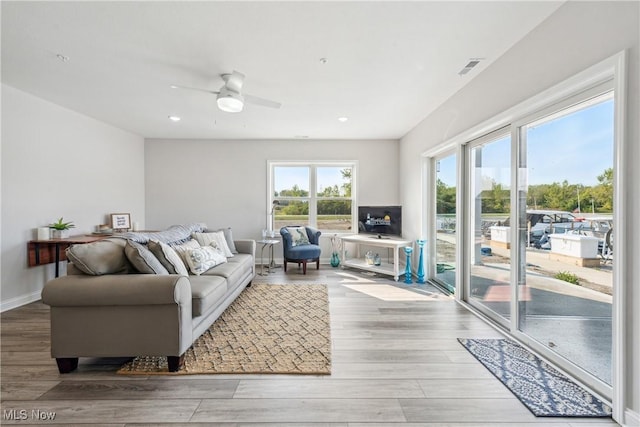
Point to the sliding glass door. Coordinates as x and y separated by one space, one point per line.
489 237
522 223
445 246
566 226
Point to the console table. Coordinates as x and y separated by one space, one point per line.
42 252
388 267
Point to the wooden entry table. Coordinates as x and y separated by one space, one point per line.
41 252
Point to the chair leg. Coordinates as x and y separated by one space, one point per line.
285 265
318 264
304 267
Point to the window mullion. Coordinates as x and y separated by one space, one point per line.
313 203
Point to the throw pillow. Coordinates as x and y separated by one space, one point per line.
98 258
204 258
298 236
142 259
228 236
168 257
215 239
182 249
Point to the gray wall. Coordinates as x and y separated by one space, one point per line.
224 183
578 35
56 162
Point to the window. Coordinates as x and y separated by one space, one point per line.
316 194
567 153
446 222
538 197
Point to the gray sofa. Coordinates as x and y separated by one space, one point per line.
116 311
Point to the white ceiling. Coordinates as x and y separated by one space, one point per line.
388 63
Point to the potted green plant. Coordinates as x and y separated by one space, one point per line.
61 229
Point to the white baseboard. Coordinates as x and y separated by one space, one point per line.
631 418
19 301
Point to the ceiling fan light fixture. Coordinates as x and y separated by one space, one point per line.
230 101
229 98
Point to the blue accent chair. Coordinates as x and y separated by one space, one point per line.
303 253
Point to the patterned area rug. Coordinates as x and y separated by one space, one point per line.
268 329
542 388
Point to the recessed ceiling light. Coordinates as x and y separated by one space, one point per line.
323 60
343 119
174 118
62 57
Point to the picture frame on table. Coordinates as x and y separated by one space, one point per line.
120 221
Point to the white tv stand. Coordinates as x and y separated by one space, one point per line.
386 266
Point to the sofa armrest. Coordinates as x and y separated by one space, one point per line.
117 290
246 246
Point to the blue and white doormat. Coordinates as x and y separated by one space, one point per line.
542 388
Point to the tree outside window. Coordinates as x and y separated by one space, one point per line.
329 207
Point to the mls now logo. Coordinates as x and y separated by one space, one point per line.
15 414
23 414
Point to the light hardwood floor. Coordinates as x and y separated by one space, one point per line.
395 362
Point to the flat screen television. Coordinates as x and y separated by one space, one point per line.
380 221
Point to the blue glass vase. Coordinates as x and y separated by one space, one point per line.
335 259
336 247
420 272
407 270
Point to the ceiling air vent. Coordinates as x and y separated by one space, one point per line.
472 63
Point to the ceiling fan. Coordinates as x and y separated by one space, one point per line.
230 97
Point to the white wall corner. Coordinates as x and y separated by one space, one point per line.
19 301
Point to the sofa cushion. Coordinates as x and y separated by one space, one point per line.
304 252
142 259
168 257
298 236
215 239
102 257
231 271
228 236
206 292
245 260
203 258
182 249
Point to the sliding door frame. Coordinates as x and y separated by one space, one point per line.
468 246
429 228
614 69
518 253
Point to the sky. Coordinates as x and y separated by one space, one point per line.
287 177
577 148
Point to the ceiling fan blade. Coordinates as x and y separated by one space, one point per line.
214 92
261 101
234 81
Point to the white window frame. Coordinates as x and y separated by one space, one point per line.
612 69
313 198
580 98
